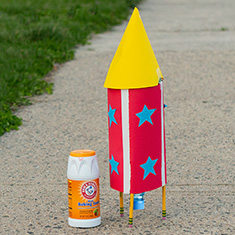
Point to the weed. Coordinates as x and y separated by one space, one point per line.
224 29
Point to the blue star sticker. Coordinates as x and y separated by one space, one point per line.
114 164
148 167
111 116
145 115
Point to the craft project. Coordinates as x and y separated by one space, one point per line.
137 153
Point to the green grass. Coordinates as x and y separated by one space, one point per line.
34 35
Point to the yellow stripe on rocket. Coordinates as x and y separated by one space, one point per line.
134 65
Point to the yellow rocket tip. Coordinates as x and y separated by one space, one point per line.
134 64
136 10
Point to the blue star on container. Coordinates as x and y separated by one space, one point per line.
111 116
148 167
145 115
114 164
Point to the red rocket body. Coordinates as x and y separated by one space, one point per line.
137 152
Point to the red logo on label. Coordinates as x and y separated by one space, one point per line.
89 190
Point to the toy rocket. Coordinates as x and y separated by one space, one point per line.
137 153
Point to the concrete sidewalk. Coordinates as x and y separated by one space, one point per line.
194 42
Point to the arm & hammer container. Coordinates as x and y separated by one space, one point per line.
83 189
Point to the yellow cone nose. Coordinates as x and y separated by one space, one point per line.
134 65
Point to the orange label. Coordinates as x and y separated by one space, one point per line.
84 199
